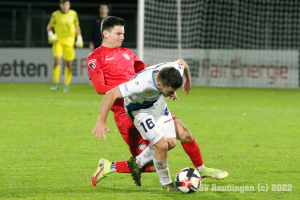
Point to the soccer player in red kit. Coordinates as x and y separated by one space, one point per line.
111 65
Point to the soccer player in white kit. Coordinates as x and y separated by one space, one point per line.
147 108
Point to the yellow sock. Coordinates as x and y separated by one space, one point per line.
68 75
56 71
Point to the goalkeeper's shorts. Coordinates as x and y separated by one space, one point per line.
65 48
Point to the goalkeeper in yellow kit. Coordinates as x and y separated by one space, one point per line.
66 27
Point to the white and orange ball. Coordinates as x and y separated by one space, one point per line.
188 180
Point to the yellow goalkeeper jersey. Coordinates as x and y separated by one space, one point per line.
64 25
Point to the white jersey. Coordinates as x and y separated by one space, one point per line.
141 92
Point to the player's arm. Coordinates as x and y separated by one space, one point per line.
186 72
95 72
49 28
106 105
99 84
79 41
138 64
51 36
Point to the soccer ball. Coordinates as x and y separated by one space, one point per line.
188 180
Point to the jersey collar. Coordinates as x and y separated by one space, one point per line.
109 49
153 79
63 12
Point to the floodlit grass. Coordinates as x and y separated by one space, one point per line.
48 152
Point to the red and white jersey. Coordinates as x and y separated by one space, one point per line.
116 65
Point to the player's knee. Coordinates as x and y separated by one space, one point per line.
185 135
161 146
164 147
171 143
69 65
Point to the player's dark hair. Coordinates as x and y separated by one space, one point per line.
170 77
109 22
63 1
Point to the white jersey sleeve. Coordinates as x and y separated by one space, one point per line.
131 87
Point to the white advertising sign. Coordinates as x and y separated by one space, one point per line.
34 65
239 68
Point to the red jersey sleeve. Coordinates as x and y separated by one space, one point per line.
95 72
99 84
138 64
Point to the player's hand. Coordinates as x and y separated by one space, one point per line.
51 37
100 129
187 86
79 42
174 96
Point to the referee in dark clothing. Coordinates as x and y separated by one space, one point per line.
96 39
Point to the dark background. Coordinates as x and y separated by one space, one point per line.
220 24
78 1
15 14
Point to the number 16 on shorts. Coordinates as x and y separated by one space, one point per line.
148 128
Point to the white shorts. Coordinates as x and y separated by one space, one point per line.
155 122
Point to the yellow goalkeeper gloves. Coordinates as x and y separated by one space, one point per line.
51 37
79 42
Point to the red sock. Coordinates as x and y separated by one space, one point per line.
147 168
122 166
192 149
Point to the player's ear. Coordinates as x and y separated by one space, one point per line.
105 33
158 84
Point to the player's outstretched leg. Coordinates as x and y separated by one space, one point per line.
191 147
169 188
102 171
135 171
214 173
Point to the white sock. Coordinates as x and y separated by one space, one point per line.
163 172
200 168
146 156
113 167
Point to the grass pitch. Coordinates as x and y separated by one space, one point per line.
48 152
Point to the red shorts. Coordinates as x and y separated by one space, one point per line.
130 134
